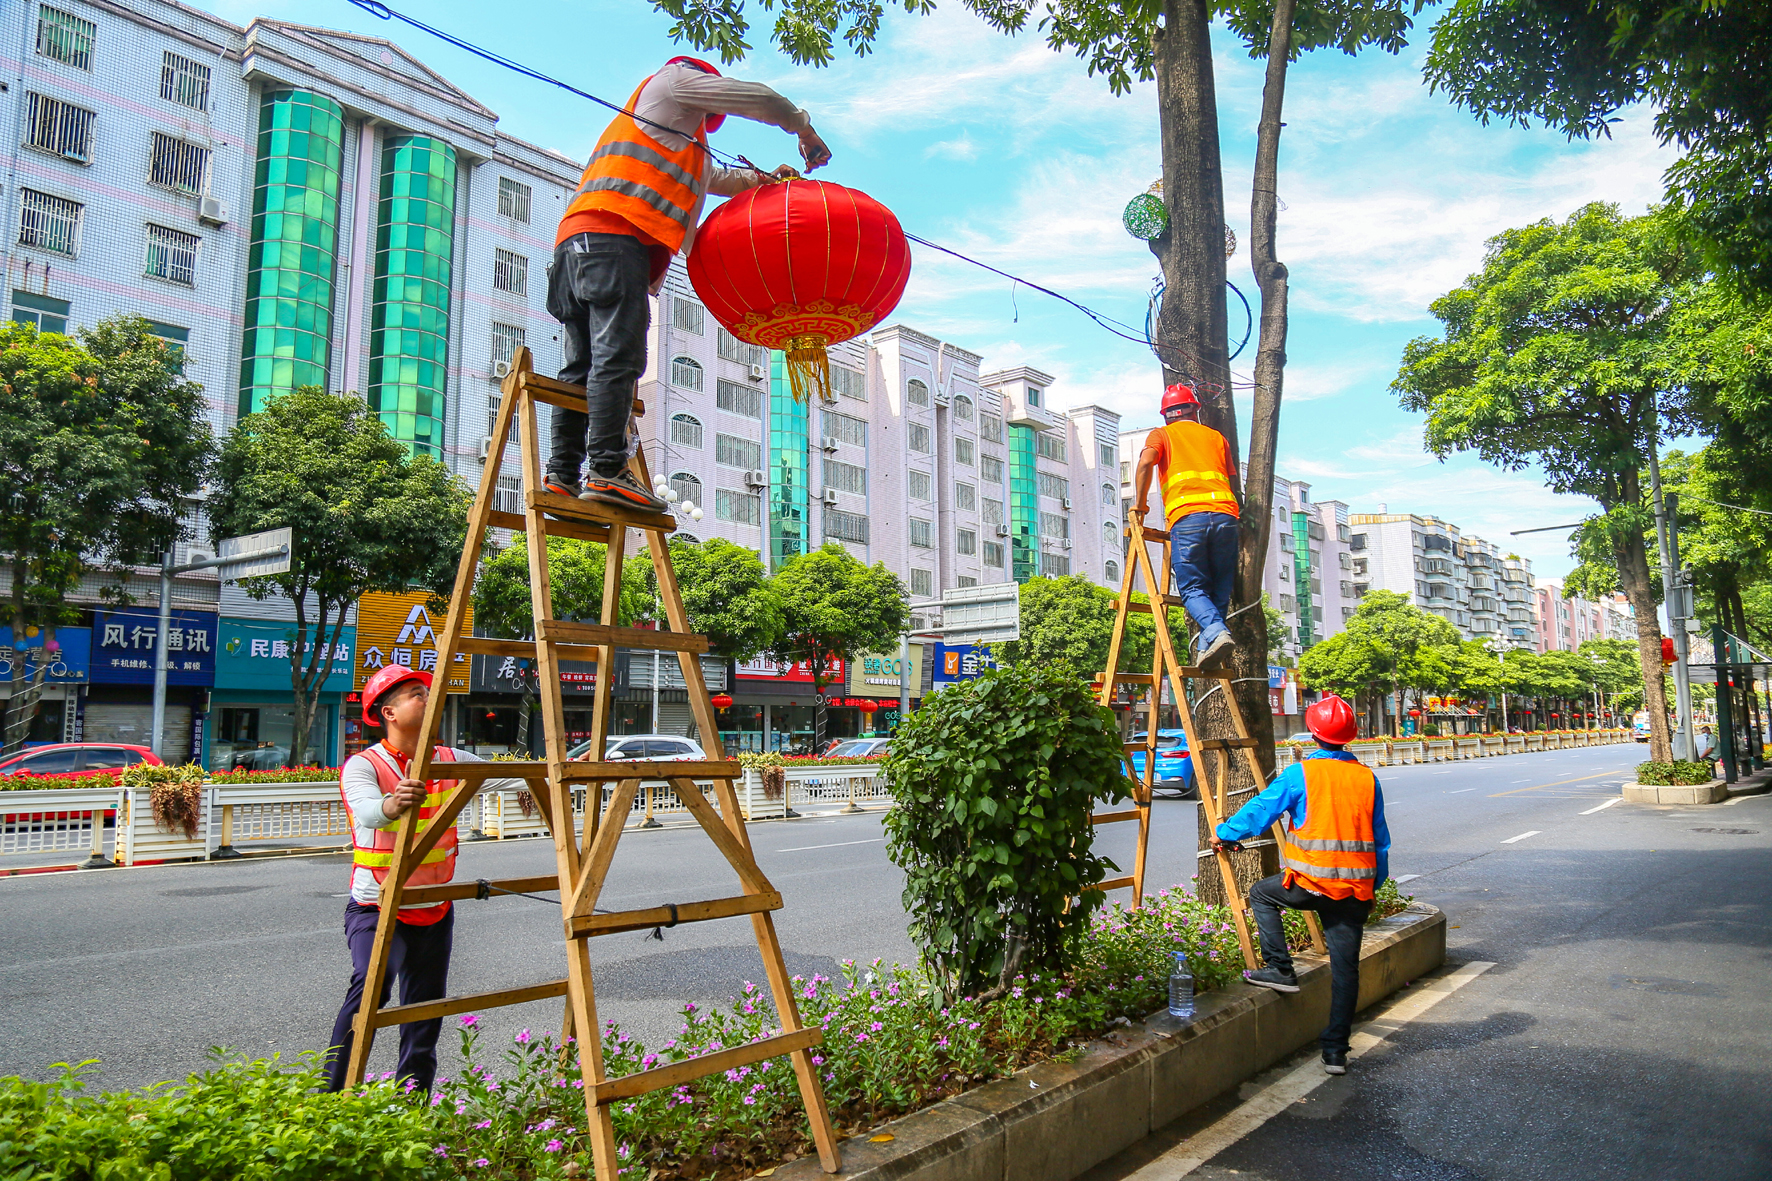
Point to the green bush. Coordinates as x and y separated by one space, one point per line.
994 781
1680 772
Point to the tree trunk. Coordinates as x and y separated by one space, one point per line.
1632 560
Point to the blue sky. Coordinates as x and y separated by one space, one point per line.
1001 148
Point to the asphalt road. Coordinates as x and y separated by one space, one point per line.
1624 1032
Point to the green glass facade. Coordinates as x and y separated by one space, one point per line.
1301 579
409 315
1024 505
788 488
289 278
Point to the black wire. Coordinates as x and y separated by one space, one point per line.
1248 328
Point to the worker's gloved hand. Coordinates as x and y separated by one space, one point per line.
813 150
1226 846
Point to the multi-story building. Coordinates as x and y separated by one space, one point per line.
1565 624
1462 578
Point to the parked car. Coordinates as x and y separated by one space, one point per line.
1301 736
1175 770
654 748
1639 726
860 748
77 758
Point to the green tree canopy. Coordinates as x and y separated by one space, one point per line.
1389 645
1072 619
833 606
728 597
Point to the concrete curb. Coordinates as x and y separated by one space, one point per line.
1714 792
1053 1121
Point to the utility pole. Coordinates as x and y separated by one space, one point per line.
1678 605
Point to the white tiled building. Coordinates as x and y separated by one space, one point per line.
1460 577
1565 624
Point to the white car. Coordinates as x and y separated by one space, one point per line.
654 748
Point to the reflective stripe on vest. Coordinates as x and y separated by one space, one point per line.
639 180
1195 474
438 865
1336 852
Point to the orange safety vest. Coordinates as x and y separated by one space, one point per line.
439 864
1335 854
639 180
1196 471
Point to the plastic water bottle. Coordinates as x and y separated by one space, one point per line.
1181 990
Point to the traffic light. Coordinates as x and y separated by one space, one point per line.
1667 650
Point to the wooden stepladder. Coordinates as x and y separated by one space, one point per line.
1168 669
583 859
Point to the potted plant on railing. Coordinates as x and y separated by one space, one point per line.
175 795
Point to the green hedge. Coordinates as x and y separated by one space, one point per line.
1679 773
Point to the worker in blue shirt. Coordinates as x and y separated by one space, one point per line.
1335 850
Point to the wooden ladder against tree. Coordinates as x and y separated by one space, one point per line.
583 860
1168 669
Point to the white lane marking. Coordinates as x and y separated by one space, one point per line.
1523 836
1461 791
1408 877
1213 1139
1604 806
832 845
1442 772
1526 780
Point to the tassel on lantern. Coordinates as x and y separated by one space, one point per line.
809 368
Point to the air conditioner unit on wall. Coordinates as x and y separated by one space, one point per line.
1002 531
485 447
830 442
211 211
1065 543
1067 504
830 496
755 479
758 373
501 369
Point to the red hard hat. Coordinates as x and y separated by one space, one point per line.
1332 720
710 123
1178 395
385 679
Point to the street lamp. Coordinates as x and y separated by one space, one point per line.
1500 646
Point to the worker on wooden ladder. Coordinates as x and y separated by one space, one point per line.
636 206
1200 508
1336 850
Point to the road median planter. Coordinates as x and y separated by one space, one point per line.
1053 1121
1714 792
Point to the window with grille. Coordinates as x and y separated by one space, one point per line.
846 428
59 127
918 437
739 507
1113 571
732 451
963 452
990 468
493 402
731 348
686 430
922 536
1051 485
177 164
687 316
922 583
513 199
845 477
916 393
917 483
184 81
965 497
506 340
50 223
687 486
962 408
842 526
1125 471
965 580
1106 452
993 554
1054 565
40 311
990 428
1055 525
849 383
1110 496
965 541
993 512
686 373
507 497
172 255
1110 537
736 398
1051 446
510 272
64 37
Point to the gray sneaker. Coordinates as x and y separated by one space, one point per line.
1219 652
624 490
1272 978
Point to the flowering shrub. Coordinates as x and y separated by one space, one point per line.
25 781
76 779
280 775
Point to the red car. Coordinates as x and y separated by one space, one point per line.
76 758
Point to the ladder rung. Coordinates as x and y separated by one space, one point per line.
1149 534
598 511
451 1005
559 393
662 1078
560 630
644 769
484 646
1228 743
1125 678
417 894
552 526
1135 746
1116 817
1145 608
479 772
588 925
1114 883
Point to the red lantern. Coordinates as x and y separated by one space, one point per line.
721 701
799 266
1415 713
867 705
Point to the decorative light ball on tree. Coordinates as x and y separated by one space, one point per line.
1146 217
800 266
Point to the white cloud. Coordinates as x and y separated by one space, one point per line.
960 148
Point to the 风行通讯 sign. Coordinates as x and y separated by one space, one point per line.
402 629
124 643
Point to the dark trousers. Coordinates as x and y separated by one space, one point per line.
597 290
420 958
1344 919
1203 560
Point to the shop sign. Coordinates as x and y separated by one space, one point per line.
961 663
254 654
509 674
800 671
402 629
69 664
123 647
876 675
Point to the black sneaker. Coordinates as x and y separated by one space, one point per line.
1334 1061
1272 978
561 486
1219 652
624 490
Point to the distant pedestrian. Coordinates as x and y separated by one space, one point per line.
1336 853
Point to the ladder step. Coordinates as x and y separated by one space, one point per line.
1145 608
643 769
1149 534
586 926
1228 743
1114 883
453 890
555 392
599 512
560 630
451 1005
1125 678
1116 817
552 526
662 1078
484 646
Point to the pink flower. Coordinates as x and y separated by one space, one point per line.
860 1038
440 1150
523 1037
877 1027
818 1060
485 1123
481 1163
469 1021
552 1146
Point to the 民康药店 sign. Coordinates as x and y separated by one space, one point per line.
70 661
123 645
254 654
402 629
961 663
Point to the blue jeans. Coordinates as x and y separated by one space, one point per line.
1203 561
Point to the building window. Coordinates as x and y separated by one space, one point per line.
963 452
494 401
965 580
1050 446
1125 471
507 497
1110 537
1051 485
1054 565
176 164
845 429
686 430
732 451
849 383
965 497
993 554
184 81
172 255
731 348
1033 396
962 408
965 542
918 485
513 199
40 311
1113 571
922 583
686 373
845 477
842 526
506 340
50 223
993 512
687 486
990 428
1106 451
735 398
991 468
1110 496
921 534
687 316
64 37
918 438
1055 525
510 272
59 127
739 507
916 393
